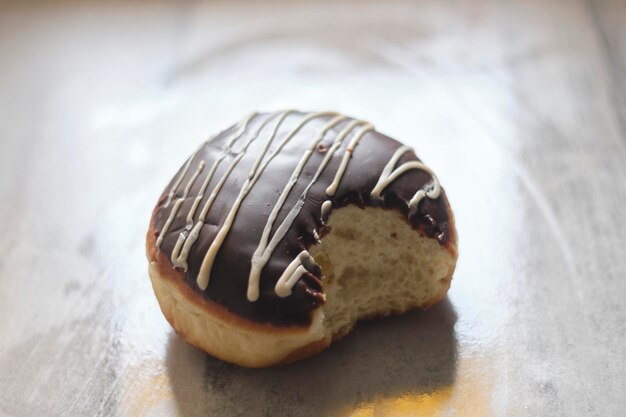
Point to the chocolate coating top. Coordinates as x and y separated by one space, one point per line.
230 270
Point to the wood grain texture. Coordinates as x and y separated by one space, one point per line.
519 106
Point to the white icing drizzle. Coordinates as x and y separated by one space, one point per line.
292 274
179 202
170 195
264 251
326 207
204 274
332 188
389 174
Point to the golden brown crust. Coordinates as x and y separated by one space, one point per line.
227 340
306 351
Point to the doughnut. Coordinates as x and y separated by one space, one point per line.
282 231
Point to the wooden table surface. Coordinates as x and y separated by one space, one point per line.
518 105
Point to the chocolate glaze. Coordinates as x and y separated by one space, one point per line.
230 271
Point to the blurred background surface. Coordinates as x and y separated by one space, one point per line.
519 106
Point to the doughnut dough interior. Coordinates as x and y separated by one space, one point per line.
376 266
371 263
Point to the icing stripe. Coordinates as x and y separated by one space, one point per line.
389 174
170 195
325 210
332 188
292 274
178 203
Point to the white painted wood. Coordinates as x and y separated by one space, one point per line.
519 106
